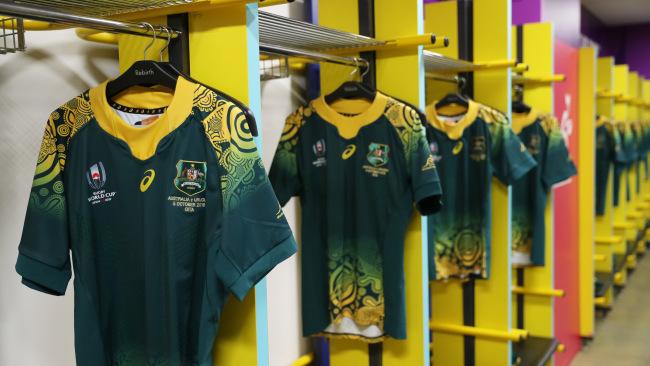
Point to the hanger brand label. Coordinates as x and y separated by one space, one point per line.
144 72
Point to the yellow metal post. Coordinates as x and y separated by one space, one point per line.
538 54
447 296
221 55
586 179
622 225
492 41
400 74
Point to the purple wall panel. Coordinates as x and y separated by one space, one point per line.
628 44
526 11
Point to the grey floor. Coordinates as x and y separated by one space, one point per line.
622 338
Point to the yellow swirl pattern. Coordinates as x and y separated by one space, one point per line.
408 124
61 127
355 290
227 130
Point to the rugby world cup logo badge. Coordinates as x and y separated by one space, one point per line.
96 176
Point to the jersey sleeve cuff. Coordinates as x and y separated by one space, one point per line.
42 277
427 198
241 284
521 169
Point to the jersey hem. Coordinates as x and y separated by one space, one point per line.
349 336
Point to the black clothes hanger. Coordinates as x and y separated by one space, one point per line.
167 76
454 98
353 89
518 105
142 73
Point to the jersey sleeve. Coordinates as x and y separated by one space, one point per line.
284 174
510 159
44 250
558 165
254 235
424 180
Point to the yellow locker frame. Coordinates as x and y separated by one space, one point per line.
492 41
587 178
537 41
233 66
400 74
622 225
605 239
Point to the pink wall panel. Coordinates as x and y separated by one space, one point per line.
566 209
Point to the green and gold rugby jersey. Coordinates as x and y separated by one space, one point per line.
357 168
608 153
622 166
469 147
545 143
166 208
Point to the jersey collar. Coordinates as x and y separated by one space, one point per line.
523 120
349 126
144 140
601 121
454 130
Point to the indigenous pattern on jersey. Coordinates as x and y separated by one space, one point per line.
163 219
544 141
357 168
608 154
469 148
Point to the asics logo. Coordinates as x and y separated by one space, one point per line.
348 152
146 181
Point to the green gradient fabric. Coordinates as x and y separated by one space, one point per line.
157 244
469 149
608 154
357 172
545 143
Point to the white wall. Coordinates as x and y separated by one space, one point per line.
36 329
279 99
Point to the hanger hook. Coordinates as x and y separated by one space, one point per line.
169 40
153 30
356 67
460 83
366 68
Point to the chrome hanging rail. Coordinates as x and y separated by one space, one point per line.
312 55
54 16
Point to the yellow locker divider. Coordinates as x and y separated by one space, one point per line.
586 186
342 15
401 76
538 53
622 225
492 41
446 297
227 66
604 224
442 18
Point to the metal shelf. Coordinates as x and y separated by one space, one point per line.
437 64
103 7
281 31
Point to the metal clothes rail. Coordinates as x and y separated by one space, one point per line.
282 31
102 7
45 14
